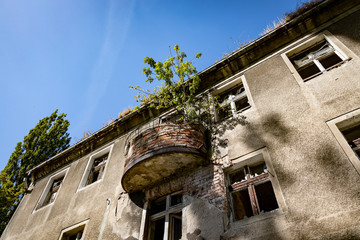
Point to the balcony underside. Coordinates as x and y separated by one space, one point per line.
160 166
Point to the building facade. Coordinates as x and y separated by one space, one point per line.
282 163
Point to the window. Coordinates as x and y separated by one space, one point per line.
346 130
75 232
232 97
96 167
352 136
251 191
232 101
77 235
52 189
172 116
165 220
55 186
316 56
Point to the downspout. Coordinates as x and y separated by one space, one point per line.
106 214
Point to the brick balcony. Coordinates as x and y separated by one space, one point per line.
160 153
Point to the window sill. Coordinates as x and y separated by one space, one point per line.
262 217
89 185
38 209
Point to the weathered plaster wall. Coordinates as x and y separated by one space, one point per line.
316 177
74 205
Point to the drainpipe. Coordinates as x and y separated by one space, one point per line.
106 214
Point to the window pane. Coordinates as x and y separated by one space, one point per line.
158 205
176 226
53 191
241 204
330 60
93 177
224 111
266 197
307 55
238 176
308 71
76 236
157 229
224 96
242 104
175 199
101 159
97 169
258 169
352 136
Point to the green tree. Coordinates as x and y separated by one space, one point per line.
178 89
46 139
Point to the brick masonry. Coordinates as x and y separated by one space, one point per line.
165 136
206 183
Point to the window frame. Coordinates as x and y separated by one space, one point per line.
45 194
343 122
227 85
166 214
85 178
81 226
252 159
307 42
169 117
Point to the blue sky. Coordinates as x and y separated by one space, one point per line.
81 56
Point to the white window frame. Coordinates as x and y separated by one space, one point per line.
146 218
40 203
252 158
81 226
341 123
228 84
339 48
84 179
169 114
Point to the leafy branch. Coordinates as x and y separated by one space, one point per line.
178 89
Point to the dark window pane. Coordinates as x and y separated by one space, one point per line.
258 169
242 104
224 96
157 229
94 177
97 169
176 226
308 71
241 204
76 236
55 186
237 176
330 60
224 112
266 197
352 136
101 159
158 205
302 57
175 199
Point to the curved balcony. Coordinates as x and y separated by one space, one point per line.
162 152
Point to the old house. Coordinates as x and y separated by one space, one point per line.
289 170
